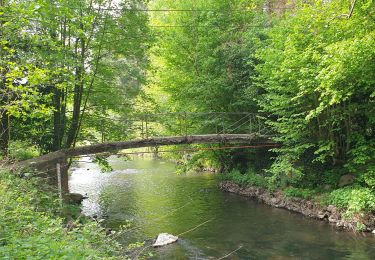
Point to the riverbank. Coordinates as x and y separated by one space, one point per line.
33 225
309 208
156 200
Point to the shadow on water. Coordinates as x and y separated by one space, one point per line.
151 195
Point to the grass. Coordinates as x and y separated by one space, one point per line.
31 228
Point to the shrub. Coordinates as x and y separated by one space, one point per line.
368 178
28 231
299 192
249 178
22 151
353 199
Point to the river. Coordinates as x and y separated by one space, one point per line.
150 195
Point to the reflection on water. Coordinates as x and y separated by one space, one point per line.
150 194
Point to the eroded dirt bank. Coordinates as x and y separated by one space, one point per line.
306 207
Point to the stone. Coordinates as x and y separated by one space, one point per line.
373 232
322 215
346 179
331 208
274 201
28 174
332 219
340 223
164 239
76 198
108 231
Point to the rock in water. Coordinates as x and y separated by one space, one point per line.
164 239
76 198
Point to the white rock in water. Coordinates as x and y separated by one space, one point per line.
164 239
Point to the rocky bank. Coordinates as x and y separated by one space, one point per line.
308 208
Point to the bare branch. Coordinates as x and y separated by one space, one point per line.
352 9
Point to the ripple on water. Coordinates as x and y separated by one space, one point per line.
156 200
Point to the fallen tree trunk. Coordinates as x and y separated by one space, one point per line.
150 142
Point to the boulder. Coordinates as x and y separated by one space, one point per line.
332 219
164 239
341 224
76 198
322 215
346 179
331 208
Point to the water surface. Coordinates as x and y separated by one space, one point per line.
155 199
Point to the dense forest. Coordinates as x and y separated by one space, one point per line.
75 72
308 68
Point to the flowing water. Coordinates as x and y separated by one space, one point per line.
150 195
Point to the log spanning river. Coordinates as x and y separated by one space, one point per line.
150 195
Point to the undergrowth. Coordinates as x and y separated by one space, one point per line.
30 227
353 199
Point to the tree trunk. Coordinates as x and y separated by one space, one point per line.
4 117
57 120
253 140
4 132
78 91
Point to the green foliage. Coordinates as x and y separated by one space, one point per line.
369 177
360 226
204 63
283 172
79 71
205 66
328 177
20 151
317 74
310 70
353 199
30 229
74 74
299 192
102 162
249 178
